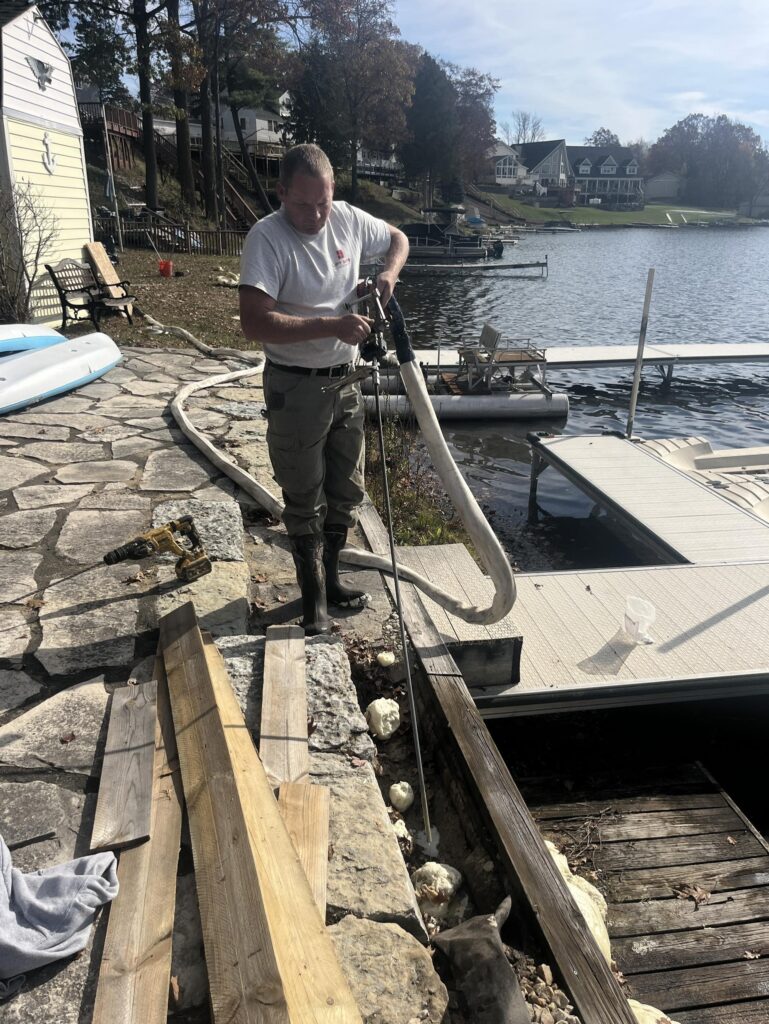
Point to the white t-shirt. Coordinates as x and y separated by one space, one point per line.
312 275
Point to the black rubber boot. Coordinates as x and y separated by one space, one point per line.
335 538
308 559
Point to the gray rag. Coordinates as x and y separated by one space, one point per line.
47 914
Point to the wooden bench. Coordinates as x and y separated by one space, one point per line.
81 295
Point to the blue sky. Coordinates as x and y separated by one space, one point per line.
634 66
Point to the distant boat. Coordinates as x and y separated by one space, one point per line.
31 375
477 267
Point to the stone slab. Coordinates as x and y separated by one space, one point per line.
89 621
367 875
113 432
33 431
15 633
204 419
101 389
96 472
77 539
77 421
180 469
15 471
146 388
219 524
149 425
125 405
222 598
67 403
63 732
39 495
16 688
115 500
60 453
24 529
391 975
17 574
119 375
29 809
135 445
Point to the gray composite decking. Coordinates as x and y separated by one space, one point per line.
711 634
679 517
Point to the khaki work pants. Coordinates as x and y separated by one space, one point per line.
315 441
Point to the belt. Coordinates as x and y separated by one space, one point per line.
315 371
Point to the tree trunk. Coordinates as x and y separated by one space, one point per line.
217 97
184 169
354 170
145 98
207 160
256 184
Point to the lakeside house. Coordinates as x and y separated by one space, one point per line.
606 176
663 187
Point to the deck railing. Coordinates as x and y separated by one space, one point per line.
174 238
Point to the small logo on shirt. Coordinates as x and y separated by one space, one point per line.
341 259
340 254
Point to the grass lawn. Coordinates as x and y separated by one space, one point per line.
651 214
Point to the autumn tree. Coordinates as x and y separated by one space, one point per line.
475 117
430 149
602 138
527 127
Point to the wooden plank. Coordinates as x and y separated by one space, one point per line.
690 948
104 271
656 883
305 811
136 963
268 956
696 850
754 1012
283 746
624 805
699 986
124 806
669 915
615 828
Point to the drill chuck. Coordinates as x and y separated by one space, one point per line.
134 549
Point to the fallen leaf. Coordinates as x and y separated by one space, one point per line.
749 954
281 598
35 602
730 841
174 982
68 737
358 762
695 893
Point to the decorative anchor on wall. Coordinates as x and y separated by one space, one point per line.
49 160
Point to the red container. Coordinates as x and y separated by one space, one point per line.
166 268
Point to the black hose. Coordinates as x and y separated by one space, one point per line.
401 337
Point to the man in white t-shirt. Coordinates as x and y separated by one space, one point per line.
298 268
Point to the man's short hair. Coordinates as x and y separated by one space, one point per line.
305 159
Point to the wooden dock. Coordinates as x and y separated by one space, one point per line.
686 877
678 517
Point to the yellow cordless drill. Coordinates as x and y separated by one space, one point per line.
193 562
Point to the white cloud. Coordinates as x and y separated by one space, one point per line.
635 69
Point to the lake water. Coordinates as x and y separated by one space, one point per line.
710 286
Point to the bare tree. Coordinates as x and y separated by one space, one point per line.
28 230
527 127
505 132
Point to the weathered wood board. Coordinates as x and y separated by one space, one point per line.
283 746
305 811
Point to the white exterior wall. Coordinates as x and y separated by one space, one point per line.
42 144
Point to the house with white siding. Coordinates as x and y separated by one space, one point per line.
41 141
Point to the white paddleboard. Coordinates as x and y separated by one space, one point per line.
29 377
22 337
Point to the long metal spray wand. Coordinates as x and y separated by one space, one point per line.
399 610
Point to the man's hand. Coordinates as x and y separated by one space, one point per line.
386 282
353 329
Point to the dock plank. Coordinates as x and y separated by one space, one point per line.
657 883
697 986
649 917
690 948
753 1012
614 827
648 853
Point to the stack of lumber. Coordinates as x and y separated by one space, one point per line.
260 860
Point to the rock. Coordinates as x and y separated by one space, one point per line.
108 434
17 574
222 598
180 469
113 528
384 717
38 432
96 472
205 420
67 403
135 445
15 634
89 621
391 975
401 796
101 389
16 688
23 529
17 471
115 500
63 732
188 963
144 388
332 701
124 406
385 659
58 454
435 885
366 873
151 424
76 421
120 375
219 524
29 809
37 495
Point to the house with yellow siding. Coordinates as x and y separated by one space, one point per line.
41 140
